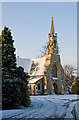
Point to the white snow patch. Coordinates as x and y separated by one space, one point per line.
25 63
46 106
33 80
39 69
77 110
0 115
62 87
54 78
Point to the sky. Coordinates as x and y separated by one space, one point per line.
30 24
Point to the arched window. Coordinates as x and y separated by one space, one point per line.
54 71
38 86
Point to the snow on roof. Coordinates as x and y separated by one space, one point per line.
54 78
34 66
38 65
25 63
33 80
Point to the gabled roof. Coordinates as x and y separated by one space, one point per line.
34 66
25 63
38 65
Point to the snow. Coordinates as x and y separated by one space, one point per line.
77 110
0 115
39 69
54 78
25 63
33 80
47 106
62 87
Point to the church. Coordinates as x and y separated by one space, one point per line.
46 73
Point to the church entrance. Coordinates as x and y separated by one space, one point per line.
55 88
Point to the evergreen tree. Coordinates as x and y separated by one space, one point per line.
8 56
25 99
14 80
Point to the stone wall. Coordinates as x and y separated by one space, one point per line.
61 83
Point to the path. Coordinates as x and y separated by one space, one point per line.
50 106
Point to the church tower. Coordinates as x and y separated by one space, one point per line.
52 62
52 47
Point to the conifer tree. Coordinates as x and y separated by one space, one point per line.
9 92
25 99
14 81
8 56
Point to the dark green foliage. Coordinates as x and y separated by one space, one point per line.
15 94
8 56
75 86
11 96
25 99
21 74
14 80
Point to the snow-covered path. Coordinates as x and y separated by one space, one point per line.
48 106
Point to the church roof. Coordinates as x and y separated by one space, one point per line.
25 63
34 66
33 80
38 65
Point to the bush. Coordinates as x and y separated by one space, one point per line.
10 95
75 86
14 94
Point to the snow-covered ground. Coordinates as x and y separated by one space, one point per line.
48 106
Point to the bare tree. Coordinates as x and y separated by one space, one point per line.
43 51
68 69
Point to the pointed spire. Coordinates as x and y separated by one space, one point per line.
52 27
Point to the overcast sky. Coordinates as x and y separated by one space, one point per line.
30 25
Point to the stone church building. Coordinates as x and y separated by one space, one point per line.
46 73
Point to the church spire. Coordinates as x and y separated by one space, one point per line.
52 47
52 27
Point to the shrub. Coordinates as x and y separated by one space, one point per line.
75 86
